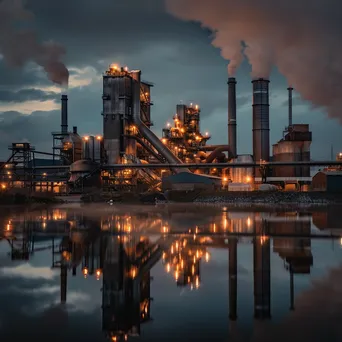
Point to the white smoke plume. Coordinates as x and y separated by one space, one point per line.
19 45
302 38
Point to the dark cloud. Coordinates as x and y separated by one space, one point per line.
27 95
35 128
176 56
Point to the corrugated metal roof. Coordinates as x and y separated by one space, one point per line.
187 177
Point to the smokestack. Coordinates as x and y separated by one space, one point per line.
261 120
74 130
232 115
64 113
290 89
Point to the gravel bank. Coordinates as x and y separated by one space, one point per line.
321 198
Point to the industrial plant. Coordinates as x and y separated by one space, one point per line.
122 158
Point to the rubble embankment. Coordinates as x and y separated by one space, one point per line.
278 198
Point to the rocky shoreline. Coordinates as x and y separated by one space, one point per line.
272 198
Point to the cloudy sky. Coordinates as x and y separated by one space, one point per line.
177 56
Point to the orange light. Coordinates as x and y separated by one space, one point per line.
85 272
3 186
86 138
99 137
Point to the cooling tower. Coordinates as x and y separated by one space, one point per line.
261 120
232 115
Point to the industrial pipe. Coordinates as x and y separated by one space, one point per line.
145 146
217 150
145 131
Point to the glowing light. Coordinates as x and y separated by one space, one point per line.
197 282
249 222
3 186
225 179
44 225
248 179
206 133
164 141
133 272
85 272
98 274
86 138
99 137
114 67
168 124
197 107
168 268
207 256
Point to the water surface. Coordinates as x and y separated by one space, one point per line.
184 273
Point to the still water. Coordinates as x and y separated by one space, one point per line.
170 273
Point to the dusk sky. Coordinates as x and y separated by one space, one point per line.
174 54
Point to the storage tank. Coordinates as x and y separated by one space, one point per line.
242 175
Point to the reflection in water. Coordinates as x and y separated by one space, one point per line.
120 249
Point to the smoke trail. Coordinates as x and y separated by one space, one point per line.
302 38
20 45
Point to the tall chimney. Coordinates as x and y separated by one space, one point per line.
290 89
261 120
64 114
232 115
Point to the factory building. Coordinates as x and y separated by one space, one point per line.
330 181
128 139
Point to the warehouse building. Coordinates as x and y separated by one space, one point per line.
330 181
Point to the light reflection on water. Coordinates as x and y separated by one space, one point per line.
172 272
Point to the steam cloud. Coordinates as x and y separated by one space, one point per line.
19 45
302 38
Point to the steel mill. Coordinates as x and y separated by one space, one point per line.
79 162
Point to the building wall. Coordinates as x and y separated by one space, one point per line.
319 182
324 182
